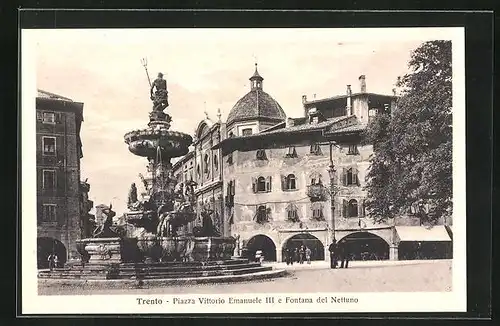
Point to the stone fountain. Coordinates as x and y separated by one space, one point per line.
154 242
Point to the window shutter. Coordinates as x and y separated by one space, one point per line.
233 187
39 115
58 117
228 189
283 182
363 204
344 208
254 184
321 214
39 213
344 177
355 176
360 208
268 184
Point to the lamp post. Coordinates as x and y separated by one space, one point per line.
332 174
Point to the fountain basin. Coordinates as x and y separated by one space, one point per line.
146 142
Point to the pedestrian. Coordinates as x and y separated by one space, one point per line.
258 256
308 255
344 255
296 255
288 256
50 259
301 254
333 257
56 261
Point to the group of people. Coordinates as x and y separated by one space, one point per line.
53 261
339 253
298 255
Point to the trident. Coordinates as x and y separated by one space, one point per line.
144 62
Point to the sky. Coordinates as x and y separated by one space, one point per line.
206 69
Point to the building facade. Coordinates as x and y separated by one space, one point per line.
275 175
60 193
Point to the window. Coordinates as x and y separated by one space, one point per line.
261 184
49 145
261 154
350 177
206 162
289 182
216 163
353 149
350 208
198 170
262 214
292 213
246 131
231 134
49 213
49 179
317 211
315 149
49 117
291 152
230 159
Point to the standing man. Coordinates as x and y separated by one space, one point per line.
301 254
344 255
333 257
51 260
308 255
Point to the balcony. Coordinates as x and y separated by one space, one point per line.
317 192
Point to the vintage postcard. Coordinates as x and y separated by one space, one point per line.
243 170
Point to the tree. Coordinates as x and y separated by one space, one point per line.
411 167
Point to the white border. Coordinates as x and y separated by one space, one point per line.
454 301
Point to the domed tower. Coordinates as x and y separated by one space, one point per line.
255 111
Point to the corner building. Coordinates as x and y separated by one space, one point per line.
59 190
273 175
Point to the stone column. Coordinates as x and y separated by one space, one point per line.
327 255
393 252
278 255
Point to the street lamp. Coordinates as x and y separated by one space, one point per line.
332 174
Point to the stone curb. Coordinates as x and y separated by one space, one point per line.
134 283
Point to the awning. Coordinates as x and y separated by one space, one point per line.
422 233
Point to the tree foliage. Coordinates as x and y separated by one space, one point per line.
411 168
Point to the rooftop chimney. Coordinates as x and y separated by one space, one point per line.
362 83
348 104
304 99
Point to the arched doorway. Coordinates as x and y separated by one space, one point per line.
264 243
46 246
366 246
307 240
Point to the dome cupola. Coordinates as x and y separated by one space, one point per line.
256 105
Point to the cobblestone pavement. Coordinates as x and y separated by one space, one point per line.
426 276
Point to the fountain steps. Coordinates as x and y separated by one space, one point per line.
158 275
167 270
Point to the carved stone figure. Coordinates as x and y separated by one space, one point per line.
160 97
105 229
132 196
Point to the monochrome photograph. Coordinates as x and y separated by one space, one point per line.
243 170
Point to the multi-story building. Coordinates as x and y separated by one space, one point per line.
279 188
59 191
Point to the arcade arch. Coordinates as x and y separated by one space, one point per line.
366 246
307 240
264 243
47 246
